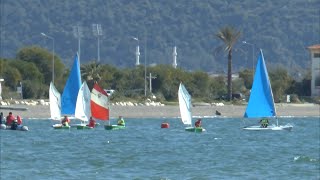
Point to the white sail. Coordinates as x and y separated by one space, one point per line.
83 110
55 102
185 105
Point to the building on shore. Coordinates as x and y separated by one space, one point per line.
315 69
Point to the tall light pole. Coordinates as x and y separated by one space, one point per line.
252 45
50 37
97 31
145 66
137 51
77 32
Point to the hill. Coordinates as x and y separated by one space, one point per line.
283 29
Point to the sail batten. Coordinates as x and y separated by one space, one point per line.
261 103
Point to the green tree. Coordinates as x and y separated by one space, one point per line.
91 72
43 61
229 36
247 76
280 82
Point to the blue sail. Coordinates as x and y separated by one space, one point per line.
71 89
261 102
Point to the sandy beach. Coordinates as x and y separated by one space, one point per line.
297 110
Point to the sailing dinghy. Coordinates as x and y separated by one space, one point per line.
83 110
185 109
55 107
70 91
261 102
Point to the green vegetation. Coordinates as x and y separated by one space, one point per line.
282 28
33 67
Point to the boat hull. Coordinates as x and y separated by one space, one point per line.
113 127
195 129
287 127
19 128
60 126
84 127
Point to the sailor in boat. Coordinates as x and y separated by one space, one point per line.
264 122
92 123
198 123
14 125
2 122
65 121
10 118
121 121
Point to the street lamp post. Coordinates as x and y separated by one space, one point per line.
97 31
252 45
50 37
137 51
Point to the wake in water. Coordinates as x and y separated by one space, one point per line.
304 159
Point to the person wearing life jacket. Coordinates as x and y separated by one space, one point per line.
10 118
1 118
264 122
19 120
65 121
198 123
121 121
14 125
92 123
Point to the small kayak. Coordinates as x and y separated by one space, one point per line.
195 129
113 127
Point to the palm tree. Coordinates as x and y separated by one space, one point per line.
229 36
91 72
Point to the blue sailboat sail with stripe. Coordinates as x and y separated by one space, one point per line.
71 89
261 103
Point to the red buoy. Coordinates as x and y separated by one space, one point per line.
165 125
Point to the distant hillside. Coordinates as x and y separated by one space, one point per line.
282 28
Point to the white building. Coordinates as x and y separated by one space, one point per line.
315 69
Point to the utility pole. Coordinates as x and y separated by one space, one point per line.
150 81
97 31
77 32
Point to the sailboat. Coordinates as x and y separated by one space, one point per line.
185 109
261 102
55 107
83 109
70 91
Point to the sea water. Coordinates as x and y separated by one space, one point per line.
145 151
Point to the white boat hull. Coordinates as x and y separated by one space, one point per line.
19 127
287 127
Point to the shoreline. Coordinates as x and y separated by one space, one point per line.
170 111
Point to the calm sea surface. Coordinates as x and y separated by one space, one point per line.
145 151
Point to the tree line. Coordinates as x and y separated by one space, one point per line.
32 68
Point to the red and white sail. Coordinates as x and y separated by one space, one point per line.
99 103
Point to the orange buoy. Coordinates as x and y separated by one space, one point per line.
165 125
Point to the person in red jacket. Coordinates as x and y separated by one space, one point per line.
198 123
10 118
19 119
92 123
